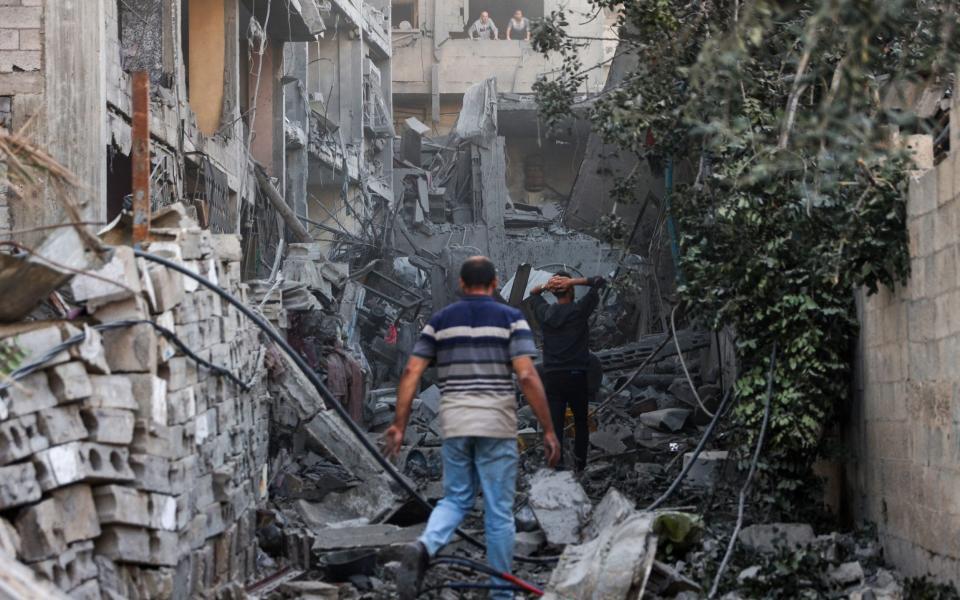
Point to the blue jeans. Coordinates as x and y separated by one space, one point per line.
491 464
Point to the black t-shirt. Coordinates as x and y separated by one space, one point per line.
566 331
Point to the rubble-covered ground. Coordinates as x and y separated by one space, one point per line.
596 522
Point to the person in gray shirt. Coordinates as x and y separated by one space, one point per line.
519 27
484 28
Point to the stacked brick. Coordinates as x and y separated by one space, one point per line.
21 23
127 470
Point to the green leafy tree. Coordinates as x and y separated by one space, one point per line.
799 196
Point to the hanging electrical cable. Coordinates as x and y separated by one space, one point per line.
41 361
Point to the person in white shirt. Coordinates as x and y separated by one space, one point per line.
484 28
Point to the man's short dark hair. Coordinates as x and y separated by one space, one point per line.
562 274
478 271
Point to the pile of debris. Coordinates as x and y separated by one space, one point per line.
133 440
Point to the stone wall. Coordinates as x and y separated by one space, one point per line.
125 466
904 430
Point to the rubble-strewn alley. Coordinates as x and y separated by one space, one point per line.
290 288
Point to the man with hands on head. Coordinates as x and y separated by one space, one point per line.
478 345
566 353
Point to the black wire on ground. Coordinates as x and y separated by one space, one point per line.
463 585
511 580
746 484
696 452
79 338
323 391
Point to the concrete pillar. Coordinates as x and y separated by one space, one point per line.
298 113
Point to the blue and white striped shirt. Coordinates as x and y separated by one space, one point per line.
473 342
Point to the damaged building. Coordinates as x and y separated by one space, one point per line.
223 226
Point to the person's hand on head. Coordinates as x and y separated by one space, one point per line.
561 284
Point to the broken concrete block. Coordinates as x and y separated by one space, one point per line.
681 390
123 543
609 566
131 349
608 442
528 542
19 438
163 512
69 381
168 288
9 538
151 583
18 485
88 590
81 461
181 406
41 531
150 393
848 573
668 419
164 549
768 537
226 246
647 402
881 586
78 512
111 391
183 474
159 440
710 467
31 394
179 372
206 425
61 424
109 425
748 574
165 348
612 509
36 342
108 576
134 308
71 568
121 270
90 351
152 472
117 504
560 504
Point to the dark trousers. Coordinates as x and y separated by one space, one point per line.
569 388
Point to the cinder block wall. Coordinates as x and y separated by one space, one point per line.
21 23
20 27
904 431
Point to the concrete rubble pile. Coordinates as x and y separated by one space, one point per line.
128 470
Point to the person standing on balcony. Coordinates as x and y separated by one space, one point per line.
484 28
519 27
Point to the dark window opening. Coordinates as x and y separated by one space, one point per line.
404 11
119 181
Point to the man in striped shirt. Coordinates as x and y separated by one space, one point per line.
478 346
